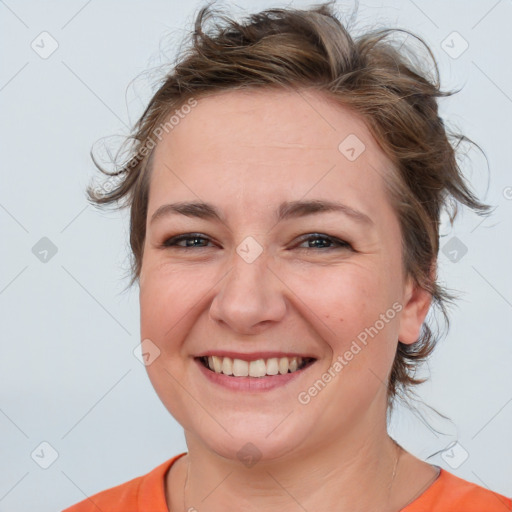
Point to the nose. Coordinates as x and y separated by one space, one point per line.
250 297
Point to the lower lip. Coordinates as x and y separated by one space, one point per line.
250 383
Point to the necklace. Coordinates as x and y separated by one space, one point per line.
185 490
398 449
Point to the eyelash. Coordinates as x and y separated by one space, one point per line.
172 242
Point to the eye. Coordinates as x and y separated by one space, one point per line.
314 241
320 241
190 240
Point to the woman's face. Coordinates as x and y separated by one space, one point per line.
271 275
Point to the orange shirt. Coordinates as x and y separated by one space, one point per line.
448 493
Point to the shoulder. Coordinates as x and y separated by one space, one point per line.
450 493
125 495
133 496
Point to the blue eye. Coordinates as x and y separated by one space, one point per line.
197 240
334 243
191 240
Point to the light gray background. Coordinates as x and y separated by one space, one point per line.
67 369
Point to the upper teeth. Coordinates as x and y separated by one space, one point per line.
258 368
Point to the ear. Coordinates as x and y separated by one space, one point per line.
416 303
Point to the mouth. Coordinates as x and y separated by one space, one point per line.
257 368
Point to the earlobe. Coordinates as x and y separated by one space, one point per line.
416 304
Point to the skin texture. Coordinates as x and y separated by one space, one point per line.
246 153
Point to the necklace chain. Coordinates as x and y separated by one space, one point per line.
185 488
399 451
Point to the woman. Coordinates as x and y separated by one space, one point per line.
285 189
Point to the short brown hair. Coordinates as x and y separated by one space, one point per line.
301 49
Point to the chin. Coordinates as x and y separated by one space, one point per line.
250 442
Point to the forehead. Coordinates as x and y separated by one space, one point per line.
254 144
305 121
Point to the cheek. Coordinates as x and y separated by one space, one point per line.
161 308
166 317
167 296
343 297
352 309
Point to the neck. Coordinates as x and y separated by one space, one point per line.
353 473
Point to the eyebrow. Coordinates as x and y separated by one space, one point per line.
286 210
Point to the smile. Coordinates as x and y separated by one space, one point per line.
257 368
